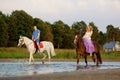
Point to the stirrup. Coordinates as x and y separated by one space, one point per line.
38 51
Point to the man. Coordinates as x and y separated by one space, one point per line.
36 36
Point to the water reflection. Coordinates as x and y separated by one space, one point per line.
13 69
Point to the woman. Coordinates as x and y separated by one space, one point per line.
87 40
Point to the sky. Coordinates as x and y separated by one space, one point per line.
101 12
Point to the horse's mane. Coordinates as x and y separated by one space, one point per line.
27 38
79 38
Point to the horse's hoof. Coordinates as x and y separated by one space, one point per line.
79 67
95 64
43 62
48 62
86 66
33 64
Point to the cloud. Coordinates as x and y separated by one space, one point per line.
101 12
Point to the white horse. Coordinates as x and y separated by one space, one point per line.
47 46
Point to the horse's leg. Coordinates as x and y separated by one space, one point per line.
94 59
78 56
97 59
30 58
44 56
97 52
86 60
48 56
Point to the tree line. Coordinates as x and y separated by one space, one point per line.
62 35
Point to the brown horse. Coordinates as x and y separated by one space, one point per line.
81 50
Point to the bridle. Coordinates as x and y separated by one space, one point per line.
21 42
76 39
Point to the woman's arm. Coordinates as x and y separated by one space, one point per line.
91 33
88 35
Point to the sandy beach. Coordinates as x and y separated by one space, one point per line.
107 74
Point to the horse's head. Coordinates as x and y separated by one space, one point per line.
77 38
21 41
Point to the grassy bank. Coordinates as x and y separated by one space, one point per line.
23 53
13 53
19 53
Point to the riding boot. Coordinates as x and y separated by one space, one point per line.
38 49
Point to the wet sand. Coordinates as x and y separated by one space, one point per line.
108 74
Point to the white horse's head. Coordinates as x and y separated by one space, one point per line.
21 41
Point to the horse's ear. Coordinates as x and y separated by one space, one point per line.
77 33
20 36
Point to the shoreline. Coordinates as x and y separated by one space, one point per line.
55 60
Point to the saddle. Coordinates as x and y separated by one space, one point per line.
40 44
35 46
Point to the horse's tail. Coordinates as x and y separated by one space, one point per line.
52 51
97 49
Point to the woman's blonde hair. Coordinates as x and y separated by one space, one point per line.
91 28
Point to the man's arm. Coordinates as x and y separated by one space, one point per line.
32 38
38 36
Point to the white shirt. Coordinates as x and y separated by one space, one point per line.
88 35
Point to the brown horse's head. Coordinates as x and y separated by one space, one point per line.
78 37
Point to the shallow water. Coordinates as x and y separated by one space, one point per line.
22 68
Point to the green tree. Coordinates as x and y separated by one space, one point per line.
63 35
110 32
58 32
102 38
20 23
116 34
3 33
68 37
113 33
12 32
48 32
79 26
4 17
